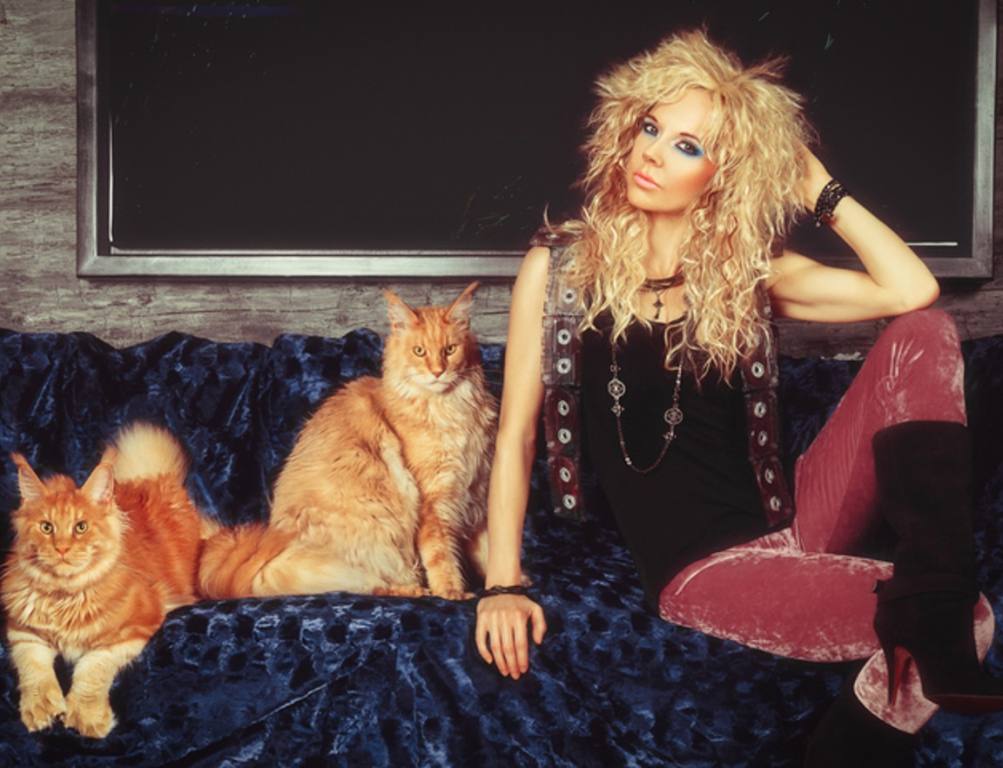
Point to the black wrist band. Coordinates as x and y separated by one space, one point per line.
828 198
514 589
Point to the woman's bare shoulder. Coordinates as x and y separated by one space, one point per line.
529 294
532 277
536 261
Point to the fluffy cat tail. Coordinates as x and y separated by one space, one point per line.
234 556
144 450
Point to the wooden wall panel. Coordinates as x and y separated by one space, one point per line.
39 290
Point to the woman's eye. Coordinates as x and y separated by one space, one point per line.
689 148
450 349
81 527
649 128
46 527
419 351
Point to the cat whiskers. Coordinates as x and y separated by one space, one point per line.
457 373
410 380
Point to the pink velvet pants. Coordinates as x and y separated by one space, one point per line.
800 592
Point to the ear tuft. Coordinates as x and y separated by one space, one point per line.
459 310
28 483
110 455
401 315
100 486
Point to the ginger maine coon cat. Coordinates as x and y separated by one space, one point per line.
385 490
93 571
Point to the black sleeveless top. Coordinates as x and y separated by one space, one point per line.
702 497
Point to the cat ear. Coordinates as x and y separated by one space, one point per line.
30 487
459 310
100 486
109 456
401 315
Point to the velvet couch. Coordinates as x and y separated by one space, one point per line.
341 679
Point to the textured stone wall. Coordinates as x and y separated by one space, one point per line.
39 289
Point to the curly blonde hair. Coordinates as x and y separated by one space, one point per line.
753 136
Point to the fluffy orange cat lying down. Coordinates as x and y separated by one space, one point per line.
94 570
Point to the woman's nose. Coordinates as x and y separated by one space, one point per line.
652 154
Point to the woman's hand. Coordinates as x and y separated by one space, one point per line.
504 619
815 177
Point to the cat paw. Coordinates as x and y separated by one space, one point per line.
403 591
447 585
89 717
42 706
454 594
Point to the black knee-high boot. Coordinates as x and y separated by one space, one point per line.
849 736
924 615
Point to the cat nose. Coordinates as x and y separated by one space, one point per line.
61 550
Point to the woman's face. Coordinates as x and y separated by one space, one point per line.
667 168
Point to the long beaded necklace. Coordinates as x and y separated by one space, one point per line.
673 415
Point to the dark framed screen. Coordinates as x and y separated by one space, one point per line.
428 140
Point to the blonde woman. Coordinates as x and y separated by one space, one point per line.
696 167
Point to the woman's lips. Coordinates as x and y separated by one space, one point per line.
645 182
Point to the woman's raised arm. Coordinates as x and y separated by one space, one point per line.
896 280
501 620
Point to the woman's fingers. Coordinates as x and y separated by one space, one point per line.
496 644
539 624
502 633
481 638
521 648
508 648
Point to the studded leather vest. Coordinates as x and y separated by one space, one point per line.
562 381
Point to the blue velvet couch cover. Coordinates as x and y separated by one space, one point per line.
341 679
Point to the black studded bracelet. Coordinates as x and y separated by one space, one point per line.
828 198
514 589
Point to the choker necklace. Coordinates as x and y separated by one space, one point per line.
658 287
673 414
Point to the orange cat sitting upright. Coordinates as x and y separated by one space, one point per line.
93 571
385 489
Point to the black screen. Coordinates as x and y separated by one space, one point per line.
320 125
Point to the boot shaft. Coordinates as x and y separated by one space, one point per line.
925 492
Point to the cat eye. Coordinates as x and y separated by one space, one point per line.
81 527
420 351
46 527
450 349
